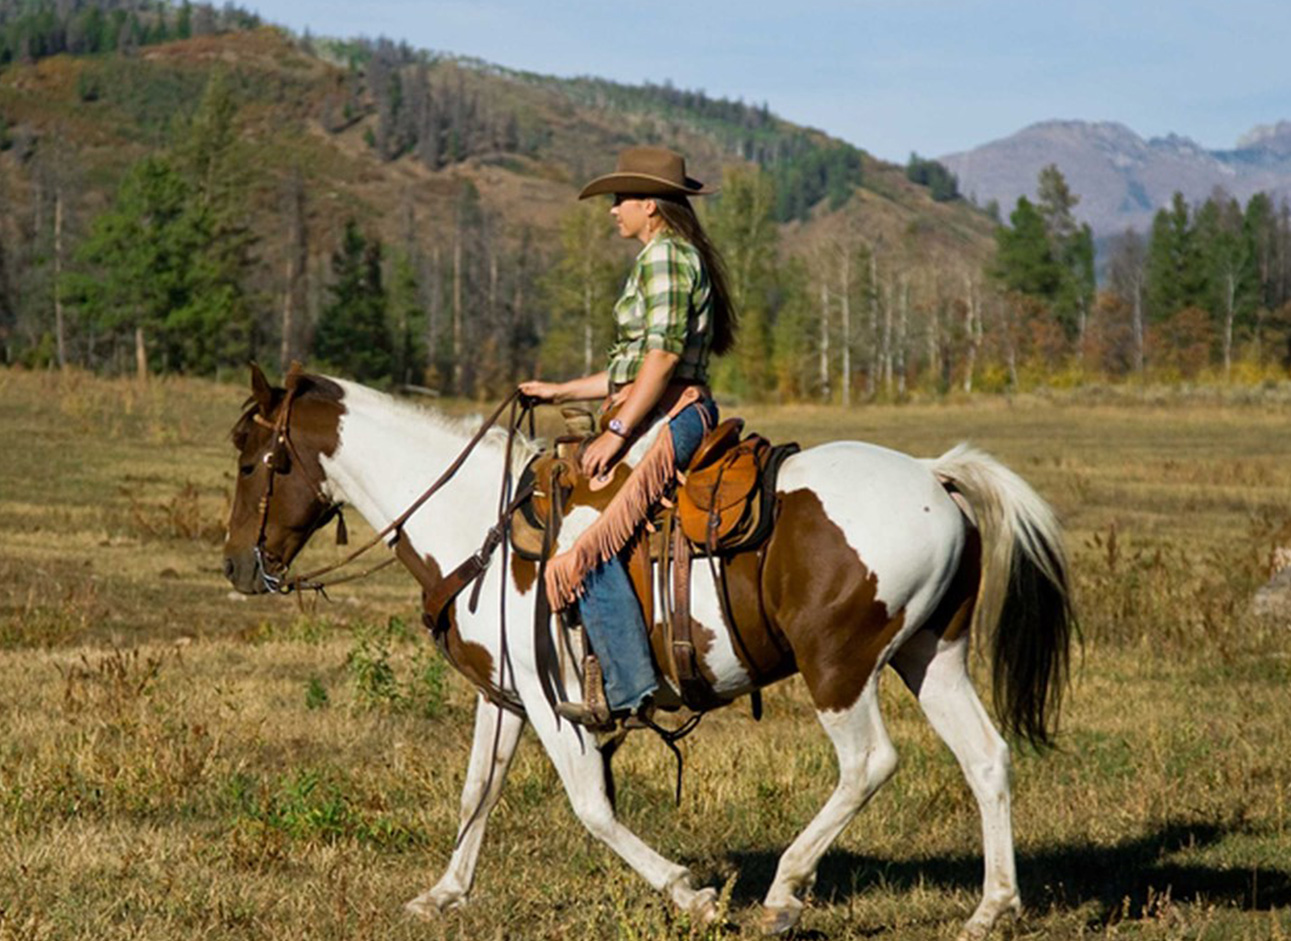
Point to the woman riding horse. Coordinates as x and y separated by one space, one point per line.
673 314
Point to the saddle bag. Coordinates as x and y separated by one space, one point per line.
716 505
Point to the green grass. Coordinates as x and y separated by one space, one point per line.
175 762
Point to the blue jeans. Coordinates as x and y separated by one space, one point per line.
609 607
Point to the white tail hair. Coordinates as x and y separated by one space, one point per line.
1023 607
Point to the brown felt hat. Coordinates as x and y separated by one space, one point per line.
647 171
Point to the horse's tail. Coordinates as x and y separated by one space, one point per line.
1024 612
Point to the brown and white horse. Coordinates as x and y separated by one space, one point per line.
876 559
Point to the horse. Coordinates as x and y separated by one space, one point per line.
876 559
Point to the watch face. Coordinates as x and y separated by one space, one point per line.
616 426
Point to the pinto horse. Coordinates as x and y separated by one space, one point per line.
876 559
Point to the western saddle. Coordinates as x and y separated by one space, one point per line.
723 503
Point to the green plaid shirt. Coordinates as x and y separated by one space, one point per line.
667 305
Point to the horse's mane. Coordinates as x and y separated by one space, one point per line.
522 449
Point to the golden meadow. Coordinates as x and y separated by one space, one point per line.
176 762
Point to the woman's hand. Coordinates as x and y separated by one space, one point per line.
540 391
588 387
617 398
600 453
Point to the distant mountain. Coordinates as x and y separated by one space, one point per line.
1122 179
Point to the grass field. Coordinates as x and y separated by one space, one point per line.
179 763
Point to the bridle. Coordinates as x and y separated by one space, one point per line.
281 457
282 454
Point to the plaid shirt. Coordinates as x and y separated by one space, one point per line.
666 304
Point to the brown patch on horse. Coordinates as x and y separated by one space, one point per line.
824 600
523 573
470 659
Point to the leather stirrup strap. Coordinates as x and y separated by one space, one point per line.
683 643
667 605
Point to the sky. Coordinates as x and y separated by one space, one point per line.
891 76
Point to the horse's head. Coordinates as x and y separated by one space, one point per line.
281 497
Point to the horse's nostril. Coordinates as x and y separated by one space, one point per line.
228 568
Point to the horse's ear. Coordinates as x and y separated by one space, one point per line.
261 390
294 376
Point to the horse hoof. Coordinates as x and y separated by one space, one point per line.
985 919
421 908
431 904
777 921
704 908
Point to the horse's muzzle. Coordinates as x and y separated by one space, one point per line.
245 571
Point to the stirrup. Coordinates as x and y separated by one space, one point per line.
595 712
590 717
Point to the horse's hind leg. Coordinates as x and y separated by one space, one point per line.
866 759
497 733
937 673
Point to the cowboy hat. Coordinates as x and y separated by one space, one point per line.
647 171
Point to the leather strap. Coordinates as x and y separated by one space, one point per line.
547 659
683 642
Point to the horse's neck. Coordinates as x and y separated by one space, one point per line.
390 452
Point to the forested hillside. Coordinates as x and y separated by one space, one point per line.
184 189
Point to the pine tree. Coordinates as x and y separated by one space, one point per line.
1174 271
1072 246
353 335
409 320
138 254
1024 259
217 319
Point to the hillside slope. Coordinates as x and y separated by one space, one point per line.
298 109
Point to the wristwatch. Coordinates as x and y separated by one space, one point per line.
616 427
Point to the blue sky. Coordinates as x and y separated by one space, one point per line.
892 76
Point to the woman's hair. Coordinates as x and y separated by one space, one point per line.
680 217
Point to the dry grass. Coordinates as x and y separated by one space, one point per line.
175 763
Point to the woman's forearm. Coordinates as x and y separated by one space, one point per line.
648 387
588 387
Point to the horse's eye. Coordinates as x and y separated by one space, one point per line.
246 470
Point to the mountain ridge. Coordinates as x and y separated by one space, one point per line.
1122 177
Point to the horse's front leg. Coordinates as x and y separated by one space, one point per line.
579 763
497 732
